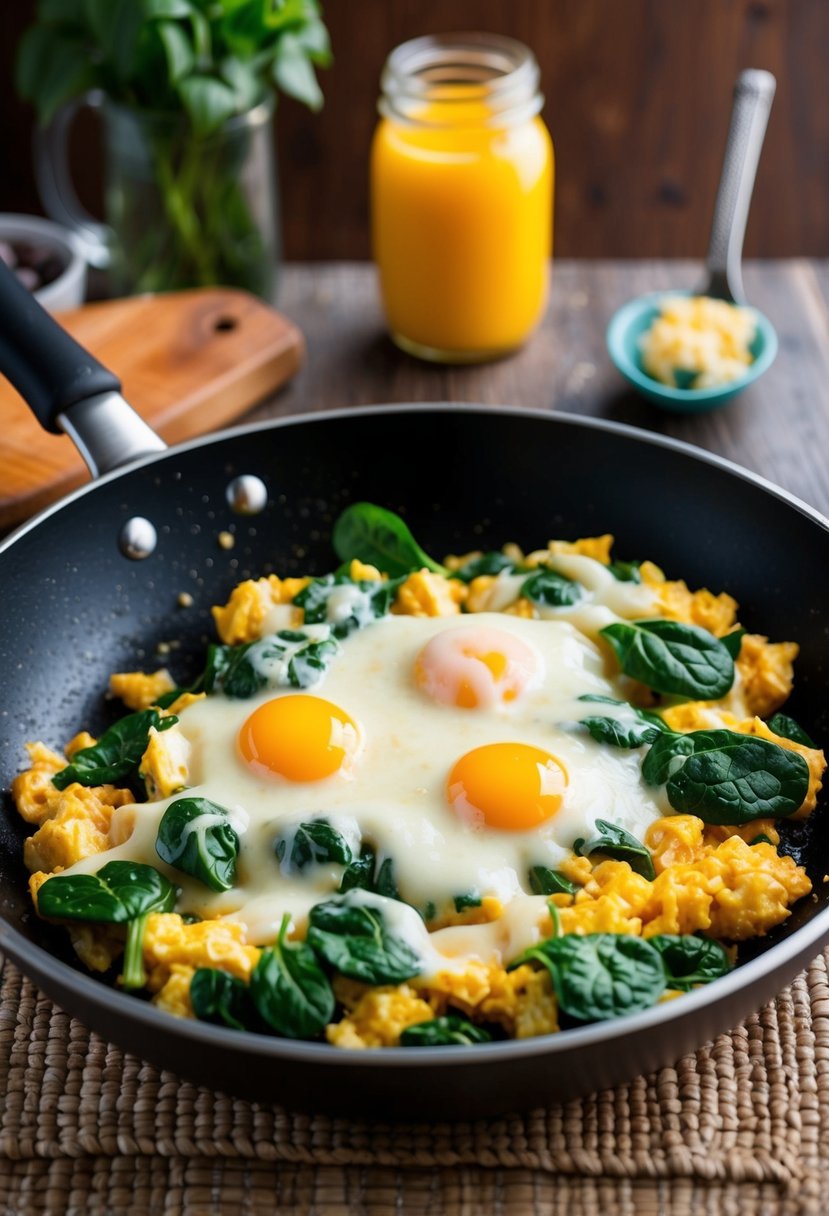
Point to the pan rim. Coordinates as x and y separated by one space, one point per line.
800 943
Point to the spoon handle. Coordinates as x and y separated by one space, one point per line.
753 95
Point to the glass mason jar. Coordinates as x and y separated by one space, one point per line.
462 196
181 209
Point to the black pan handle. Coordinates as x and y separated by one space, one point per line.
49 369
66 387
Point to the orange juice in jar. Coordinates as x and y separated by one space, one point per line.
462 196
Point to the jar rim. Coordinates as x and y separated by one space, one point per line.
454 69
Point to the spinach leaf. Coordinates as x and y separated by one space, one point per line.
618 844
666 754
636 728
120 893
328 600
733 642
544 881
289 989
600 975
315 843
117 754
556 590
364 874
787 728
354 939
471 899
196 836
447 1031
760 838
380 538
492 563
290 658
732 778
672 658
222 999
690 960
626 572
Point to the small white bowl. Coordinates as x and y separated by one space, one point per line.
68 290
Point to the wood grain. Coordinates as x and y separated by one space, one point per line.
779 427
188 361
638 95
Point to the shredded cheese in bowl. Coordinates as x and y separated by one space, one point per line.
697 342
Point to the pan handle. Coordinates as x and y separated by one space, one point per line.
66 388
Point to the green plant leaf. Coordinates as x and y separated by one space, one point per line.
359 875
52 68
289 658
552 589
380 538
667 753
243 78
313 843
733 642
618 844
544 881
600 975
689 960
344 603
208 102
220 998
732 778
634 729
447 1031
670 657
787 728
470 899
294 73
491 563
314 39
167 10
196 836
626 572
117 754
289 989
178 50
355 940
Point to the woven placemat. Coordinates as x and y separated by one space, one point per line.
86 1128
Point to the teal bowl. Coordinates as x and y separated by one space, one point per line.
634 318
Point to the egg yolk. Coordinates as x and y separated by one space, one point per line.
300 738
510 786
476 668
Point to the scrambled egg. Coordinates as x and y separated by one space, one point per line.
708 879
707 338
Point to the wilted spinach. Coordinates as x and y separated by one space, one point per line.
221 998
670 657
371 600
626 572
115 757
120 893
312 843
553 589
289 989
196 836
470 899
618 844
355 939
380 538
492 563
364 874
289 658
636 728
544 881
722 776
447 1031
690 960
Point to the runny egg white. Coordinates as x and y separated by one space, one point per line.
446 743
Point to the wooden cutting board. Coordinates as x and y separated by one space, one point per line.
189 361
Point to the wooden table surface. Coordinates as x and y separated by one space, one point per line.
778 428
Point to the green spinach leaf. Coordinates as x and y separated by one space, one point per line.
364 874
618 844
626 572
733 642
380 538
222 999
120 893
355 940
689 960
600 975
553 589
313 843
290 658
787 728
344 603
289 989
636 728
470 899
196 836
447 1031
117 754
492 563
544 881
670 657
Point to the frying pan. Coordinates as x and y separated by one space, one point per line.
75 608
